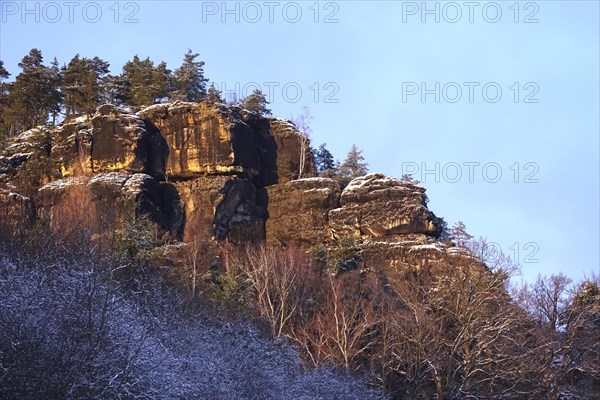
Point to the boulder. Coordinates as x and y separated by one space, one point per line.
377 206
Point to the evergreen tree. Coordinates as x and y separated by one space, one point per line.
354 165
83 84
458 234
324 159
4 102
34 95
141 83
189 81
117 90
214 95
55 97
257 103
3 72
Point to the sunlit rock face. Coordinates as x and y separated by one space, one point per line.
111 198
206 139
377 206
113 139
298 211
211 171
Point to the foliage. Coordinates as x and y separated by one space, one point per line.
324 160
4 103
354 165
458 234
38 169
82 84
257 103
145 82
214 95
188 80
342 257
34 95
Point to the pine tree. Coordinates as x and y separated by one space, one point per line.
189 81
83 84
4 102
354 165
214 95
459 235
35 93
4 74
324 159
55 96
117 90
141 83
257 103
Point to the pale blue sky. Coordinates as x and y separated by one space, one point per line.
367 58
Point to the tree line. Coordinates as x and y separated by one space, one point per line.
41 93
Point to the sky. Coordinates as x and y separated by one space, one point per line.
493 106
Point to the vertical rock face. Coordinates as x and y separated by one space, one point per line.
206 139
72 147
112 140
290 152
17 213
385 215
113 196
223 206
298 211
198 138
214 171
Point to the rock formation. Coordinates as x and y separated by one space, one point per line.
201 170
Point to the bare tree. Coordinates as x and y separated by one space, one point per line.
302 122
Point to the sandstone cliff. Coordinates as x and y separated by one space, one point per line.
201 170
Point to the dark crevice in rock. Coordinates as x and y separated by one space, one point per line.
238 216
157 152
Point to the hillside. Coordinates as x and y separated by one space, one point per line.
220 206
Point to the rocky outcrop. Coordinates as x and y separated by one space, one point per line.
385 216
377 206
112 197
216 158
298 211
374 206
112 140
207 139
201 170
223 207
290 150
17 213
